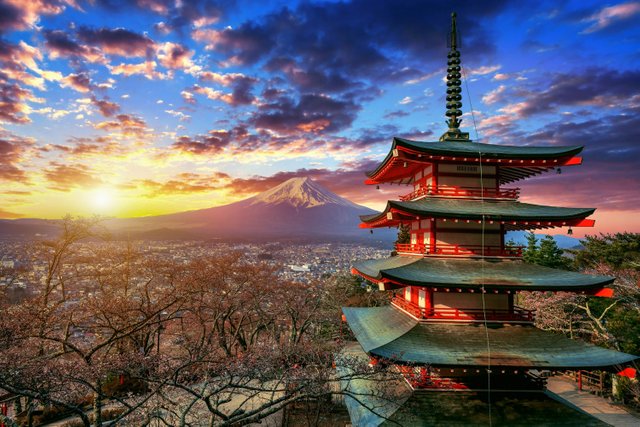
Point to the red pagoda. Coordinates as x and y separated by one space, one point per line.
467 353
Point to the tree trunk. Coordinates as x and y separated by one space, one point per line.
29 412
97 404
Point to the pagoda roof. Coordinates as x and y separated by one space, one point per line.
380 401
490 210
475 272
533 157
389 333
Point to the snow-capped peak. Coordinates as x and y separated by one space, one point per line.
301 193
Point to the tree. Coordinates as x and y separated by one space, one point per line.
223 339
404 233
547 253
610 322
619 251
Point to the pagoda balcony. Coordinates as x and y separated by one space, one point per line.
518 314
463 192
461 250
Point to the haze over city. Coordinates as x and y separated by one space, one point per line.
125 108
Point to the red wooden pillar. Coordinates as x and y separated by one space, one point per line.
580 380
3 411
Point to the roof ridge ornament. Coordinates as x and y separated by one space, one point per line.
454 89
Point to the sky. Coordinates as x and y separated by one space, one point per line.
144 107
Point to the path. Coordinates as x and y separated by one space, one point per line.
597 406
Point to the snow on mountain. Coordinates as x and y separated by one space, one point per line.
298 208
300 193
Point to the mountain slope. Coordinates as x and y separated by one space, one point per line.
296 209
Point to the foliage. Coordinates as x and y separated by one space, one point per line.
610 322
545 252
404 234
619 251
224 340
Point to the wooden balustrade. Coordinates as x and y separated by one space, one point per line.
463 192
455 250
517 314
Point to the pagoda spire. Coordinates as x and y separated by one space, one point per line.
454 89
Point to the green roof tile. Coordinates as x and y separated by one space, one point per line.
487 151
474 272
501 210
446 344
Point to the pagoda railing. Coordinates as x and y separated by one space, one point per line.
518 314
469 192
455 250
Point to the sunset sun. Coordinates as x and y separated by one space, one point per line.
102 199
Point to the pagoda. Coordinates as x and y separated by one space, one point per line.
467 354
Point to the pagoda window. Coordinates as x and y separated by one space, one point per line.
422 298
415 225
407 293
452 175
422 178
445 300
468 234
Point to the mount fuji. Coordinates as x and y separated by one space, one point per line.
299 209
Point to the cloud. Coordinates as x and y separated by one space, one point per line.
106 108
241 94
396 114
246 44
13 151
176 56
607 174
182 184
212 143
593 87
59 44
179 115
610 15
147 69
494 96
481 71
118 41
83 148
310 114
9 215
80 82
21 14
13 102
125 125
65 176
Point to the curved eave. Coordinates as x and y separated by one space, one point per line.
387 332
488 151
472 273
473 210
406 157
535 158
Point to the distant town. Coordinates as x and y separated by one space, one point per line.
294 261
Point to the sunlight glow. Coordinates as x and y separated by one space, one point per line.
103 198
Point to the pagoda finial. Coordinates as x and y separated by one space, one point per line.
454 90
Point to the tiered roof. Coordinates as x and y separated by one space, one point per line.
492 274
516 162
387 332
511 212
426 329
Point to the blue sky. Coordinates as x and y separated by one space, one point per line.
130 108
